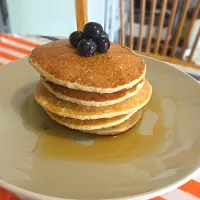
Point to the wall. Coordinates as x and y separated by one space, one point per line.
1 22
49 17
46 17
96 11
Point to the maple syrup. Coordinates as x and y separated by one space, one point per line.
59 142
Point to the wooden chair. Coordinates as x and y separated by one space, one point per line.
161 55
159 51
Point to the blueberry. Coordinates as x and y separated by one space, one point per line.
93 30
75 38
103 44
104 35
86 47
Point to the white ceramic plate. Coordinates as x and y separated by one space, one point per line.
158 155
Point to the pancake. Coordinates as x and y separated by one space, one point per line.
116 130
60 63
67 109
91 124
91 98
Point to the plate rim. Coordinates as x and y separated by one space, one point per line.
147 195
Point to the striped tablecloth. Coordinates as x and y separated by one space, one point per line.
13 47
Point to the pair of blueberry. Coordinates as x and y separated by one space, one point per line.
91 39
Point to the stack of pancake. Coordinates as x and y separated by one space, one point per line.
102 94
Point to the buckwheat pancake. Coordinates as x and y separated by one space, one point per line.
91 98
67 109
116 130
60 63
91 124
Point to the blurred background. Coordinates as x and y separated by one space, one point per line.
58 18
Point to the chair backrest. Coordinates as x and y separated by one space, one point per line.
81 13
156 48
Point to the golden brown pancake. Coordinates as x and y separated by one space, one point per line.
60 63
116 130
91 98
91 124
67 109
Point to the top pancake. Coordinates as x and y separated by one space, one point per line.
60 63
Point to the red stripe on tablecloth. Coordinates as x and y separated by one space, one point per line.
191 187
5 195
157 198
8 56
20 50
1 64
19 40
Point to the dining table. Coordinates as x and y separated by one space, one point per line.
14 46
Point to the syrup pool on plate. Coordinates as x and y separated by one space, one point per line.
59 142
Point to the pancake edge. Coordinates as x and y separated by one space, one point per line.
90 128
108 115
104 132
93 103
